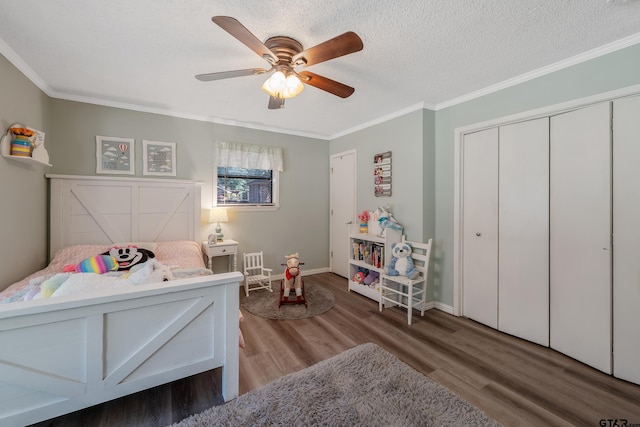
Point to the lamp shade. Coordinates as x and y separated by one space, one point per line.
218 215
281 86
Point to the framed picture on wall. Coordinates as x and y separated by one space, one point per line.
115 155
158 158
382 174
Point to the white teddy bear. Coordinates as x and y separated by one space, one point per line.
401 264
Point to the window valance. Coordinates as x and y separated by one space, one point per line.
248 156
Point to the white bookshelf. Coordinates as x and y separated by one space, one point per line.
364 259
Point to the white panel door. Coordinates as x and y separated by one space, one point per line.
523 256
580 235
480 227
343 207
626 238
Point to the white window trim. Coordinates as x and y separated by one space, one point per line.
259 156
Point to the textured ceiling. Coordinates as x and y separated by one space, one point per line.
143 54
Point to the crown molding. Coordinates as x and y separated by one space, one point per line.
560 65
170 113
17 62
379 120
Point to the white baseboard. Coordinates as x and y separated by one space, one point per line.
439 306
443 307
430 305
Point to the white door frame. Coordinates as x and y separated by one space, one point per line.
458 190
355 192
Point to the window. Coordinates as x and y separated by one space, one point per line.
239 186
246 176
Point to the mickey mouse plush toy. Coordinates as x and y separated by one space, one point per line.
129 256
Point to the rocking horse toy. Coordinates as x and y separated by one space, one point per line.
292 279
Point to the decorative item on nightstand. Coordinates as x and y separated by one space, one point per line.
218 215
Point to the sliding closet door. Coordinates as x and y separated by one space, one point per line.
580 235
523 274
626 238
480 227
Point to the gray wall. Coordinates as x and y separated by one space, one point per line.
403 136
302 222
429 198
23 188
411 139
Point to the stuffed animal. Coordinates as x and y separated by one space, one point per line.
386 220
95 264
49 286
370 278
129 256
359 277
292 277
401 264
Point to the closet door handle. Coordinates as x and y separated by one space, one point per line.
478 234
349 222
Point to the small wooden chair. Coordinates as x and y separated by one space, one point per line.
256 276
402 291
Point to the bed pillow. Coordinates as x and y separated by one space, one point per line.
73 255
180 254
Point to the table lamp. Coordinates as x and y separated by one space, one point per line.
218 215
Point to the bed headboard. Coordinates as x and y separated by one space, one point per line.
105 210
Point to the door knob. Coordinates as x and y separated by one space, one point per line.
478 234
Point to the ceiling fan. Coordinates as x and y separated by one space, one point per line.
284 54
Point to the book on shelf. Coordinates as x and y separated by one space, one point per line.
370 252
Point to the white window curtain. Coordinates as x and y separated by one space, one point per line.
247 156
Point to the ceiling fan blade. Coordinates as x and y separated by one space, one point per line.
230 74
326 84
341 45
240 32
276 103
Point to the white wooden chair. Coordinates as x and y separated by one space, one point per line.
402 291
256 276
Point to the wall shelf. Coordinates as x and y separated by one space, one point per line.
5 150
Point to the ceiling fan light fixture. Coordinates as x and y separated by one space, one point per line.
293 85
280 86
284 53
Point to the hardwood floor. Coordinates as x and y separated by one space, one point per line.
513 381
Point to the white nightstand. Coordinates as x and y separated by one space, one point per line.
224 248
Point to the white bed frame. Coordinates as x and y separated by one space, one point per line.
68 353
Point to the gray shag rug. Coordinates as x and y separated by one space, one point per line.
363 386
265 304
